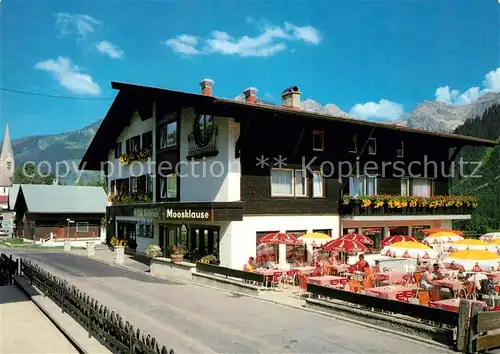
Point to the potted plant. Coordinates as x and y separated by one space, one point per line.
153 251
210 259
177 253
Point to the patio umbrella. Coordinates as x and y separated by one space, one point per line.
409 249
475 260
397 238
282 239
471 244
437 229
344 245
279 238
490 237
315 238
442 237
358 237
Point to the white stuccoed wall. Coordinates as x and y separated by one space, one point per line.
213 178
238 238
136 168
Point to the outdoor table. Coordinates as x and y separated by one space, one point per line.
453 284
389 291
304 269
340 267
452 304
268 272
391 277
328 280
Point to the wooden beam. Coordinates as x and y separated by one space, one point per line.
297 144
241 138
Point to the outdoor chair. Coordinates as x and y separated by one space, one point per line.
302 284
276 281
354 286
423 297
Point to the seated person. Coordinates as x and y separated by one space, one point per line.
250 265
430 276
332 260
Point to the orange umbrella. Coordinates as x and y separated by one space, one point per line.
437 229
358 237
344 245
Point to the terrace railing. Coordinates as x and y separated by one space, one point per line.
229 272
104 324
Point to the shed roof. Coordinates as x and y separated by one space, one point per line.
54 199
13 193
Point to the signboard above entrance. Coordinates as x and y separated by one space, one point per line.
146 213
185 214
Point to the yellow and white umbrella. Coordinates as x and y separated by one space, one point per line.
442 237
471 244
490 236
409 250
315 238
475 260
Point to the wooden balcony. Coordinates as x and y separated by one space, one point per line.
393 205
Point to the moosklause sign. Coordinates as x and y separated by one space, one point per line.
185 214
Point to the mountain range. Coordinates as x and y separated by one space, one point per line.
69 147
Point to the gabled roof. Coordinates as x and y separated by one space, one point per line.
13 193
113 124
56 199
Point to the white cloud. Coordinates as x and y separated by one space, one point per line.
69 76
384 109
184 44
108 48
491 83
270 41
76 24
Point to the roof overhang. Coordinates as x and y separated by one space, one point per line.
131 95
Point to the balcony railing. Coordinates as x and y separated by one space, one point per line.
197 152
139 155
387 205
132 198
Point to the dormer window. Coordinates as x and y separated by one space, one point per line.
401 151
372 146
318 140
353 148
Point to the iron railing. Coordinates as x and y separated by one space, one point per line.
104 324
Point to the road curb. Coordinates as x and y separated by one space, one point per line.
37 297
277 302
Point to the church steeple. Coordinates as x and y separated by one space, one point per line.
6 160
6 146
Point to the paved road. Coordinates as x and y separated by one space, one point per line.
192 319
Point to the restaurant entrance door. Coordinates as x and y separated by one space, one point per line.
197 240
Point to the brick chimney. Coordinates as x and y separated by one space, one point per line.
251 95
206 87
290 97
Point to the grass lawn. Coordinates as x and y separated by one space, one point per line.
20 244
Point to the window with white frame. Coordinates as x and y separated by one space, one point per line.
372 146
288 183
300 183
318 185
362 185
401 151
168 187
82 227
421 187
405 186
318 140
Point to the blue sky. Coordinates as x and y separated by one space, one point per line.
375 60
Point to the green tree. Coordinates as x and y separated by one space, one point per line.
28 173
